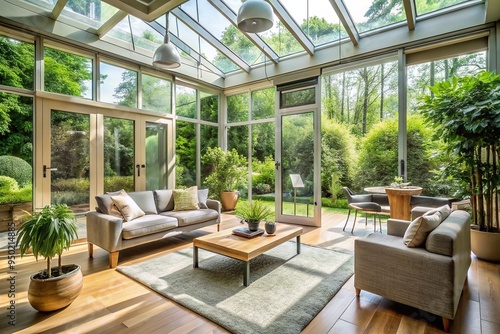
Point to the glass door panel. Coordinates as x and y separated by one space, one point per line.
119 154
69 160
297 164
156 156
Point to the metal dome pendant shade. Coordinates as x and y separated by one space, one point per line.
166 56
255 16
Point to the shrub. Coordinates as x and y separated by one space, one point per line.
23 195
72 185
8 184
114 183
16 168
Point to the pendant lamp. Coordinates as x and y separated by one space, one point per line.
166 56
255 16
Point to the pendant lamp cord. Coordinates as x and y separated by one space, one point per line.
166 38
131 33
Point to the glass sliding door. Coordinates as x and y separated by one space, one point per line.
156 156
69 160
119 154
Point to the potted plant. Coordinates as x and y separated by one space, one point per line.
465 113
226 171
48 233
253 213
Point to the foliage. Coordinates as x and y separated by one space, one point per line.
253 212
338 157
23 195
263 175
465 113
16 168
227 170
8 184
48 233
114 183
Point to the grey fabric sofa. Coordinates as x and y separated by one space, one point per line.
110 232
430 278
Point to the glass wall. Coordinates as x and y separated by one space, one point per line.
359 123
118 85
17 60
156 94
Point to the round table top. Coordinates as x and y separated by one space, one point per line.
410 190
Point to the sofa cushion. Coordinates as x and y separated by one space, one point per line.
419 229
106 205
190 217
202 198
127 206
145 200
164 200
148 224
186 199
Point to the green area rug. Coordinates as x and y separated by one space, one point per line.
286 292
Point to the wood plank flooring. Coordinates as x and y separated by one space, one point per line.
112 303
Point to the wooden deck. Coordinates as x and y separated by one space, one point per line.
112 303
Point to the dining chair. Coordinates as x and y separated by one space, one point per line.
365 204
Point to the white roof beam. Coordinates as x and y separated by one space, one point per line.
411 13
259 42
58 8
109 24
196 27
346 20
292 26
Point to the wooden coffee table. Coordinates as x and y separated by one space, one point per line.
244 249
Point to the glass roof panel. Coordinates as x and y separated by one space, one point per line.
198 44
143 35
46 4
278 37
424 7
317 19
92 13
220 27
372 14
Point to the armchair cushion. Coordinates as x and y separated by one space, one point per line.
419 229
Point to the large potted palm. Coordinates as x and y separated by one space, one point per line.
48 233
227 170
465 113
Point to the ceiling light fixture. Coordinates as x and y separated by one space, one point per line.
255 16
166 56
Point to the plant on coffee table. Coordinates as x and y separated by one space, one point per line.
253 213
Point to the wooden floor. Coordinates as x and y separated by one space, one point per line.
112 303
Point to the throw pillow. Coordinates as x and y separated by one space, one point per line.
202 198
419 229
127 206
106 205
186 199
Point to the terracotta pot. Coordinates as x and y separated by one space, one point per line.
229 199
485 245
56 292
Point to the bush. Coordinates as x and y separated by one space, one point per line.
72 185
8 184
23 195
114 183
16 168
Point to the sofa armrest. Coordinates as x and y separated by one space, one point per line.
104 231
397 227
214 205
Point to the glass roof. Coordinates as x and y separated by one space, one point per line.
205 29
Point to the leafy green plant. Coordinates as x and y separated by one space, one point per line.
48 233
253 212
226 170
8 184
465 113
16 168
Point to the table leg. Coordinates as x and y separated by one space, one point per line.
195 257
298 244
246 273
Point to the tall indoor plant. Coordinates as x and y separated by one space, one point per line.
226 171
465 113
48 233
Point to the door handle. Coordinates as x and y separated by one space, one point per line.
138 169
45 169
277 164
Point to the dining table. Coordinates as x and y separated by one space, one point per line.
399 199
